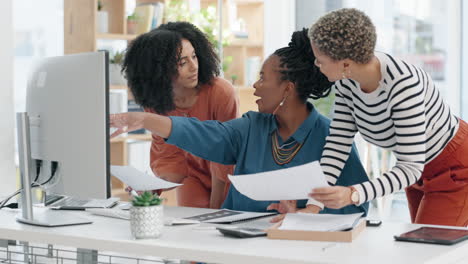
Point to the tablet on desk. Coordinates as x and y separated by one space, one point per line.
434 235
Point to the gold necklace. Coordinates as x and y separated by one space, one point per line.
283 155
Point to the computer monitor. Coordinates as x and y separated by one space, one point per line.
64 135
67 104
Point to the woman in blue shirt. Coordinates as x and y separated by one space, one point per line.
287 131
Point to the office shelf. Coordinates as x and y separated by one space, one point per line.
116 36
135 137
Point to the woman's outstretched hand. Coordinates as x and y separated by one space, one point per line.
126 122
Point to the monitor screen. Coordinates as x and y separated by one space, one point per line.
67 104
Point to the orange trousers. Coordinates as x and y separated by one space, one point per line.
440 197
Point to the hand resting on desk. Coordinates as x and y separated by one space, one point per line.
290 206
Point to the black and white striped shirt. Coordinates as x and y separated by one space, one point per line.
405 114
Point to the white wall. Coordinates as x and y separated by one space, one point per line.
7 167
464 69
453 71
280 23
307 12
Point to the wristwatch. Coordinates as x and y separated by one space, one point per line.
354 195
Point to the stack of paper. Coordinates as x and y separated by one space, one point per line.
319 222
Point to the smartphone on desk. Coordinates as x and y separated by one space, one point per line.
370 222
241 232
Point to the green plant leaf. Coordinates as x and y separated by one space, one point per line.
206 20
117 58
146 199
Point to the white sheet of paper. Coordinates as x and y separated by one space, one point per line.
140 181
285 184
319 222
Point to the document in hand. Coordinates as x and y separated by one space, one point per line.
319 222
286 184
140 181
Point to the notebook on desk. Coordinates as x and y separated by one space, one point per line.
225 216
72 203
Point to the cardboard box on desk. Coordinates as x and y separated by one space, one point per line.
333 236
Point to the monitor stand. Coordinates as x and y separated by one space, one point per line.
51 218
47 217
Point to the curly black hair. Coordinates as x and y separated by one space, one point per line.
151 61
297 61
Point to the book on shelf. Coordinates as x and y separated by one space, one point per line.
144 14
150 16
158 14
252 69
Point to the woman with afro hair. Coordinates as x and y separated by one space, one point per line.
286 131
173 70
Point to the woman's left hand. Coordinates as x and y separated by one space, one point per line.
334 197
290 206
126 122
283 207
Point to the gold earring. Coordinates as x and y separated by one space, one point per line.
344 75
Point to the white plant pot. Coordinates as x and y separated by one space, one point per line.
102 22
115 76
146 221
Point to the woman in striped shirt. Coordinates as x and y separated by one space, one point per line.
394 105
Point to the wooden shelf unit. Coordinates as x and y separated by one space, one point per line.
252 13
116 36
246 99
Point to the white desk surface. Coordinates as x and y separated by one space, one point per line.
374 245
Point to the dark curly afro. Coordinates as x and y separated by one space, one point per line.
151 60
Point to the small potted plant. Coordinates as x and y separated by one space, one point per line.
233 79
146 216
102 19
115 69
132 23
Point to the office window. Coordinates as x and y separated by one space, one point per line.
423 32
38 33
464 68
426 33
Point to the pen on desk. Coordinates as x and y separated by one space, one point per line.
328 246
204 228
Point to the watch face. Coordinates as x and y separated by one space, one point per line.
355 197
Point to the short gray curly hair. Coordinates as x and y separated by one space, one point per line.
345 33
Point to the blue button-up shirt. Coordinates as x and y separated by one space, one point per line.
246 142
